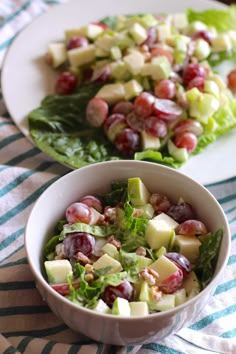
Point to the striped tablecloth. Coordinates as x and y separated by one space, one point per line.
26 323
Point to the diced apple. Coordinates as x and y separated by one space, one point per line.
139 194
180 154
148 211
81 56
57 54
121 307
138 308
132 89
164 267
101 307
111 250
58 270
112 93
158 69
191 285
134 62
104 42
105 261
188 246
138 32
167 302
149 141
169 220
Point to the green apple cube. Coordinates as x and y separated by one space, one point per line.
169 220
134 61
179 21
109 263
221 42
120 71
123 40
120 307
164 267
82 55
180 154
158 233
144 262
181 43
116 53
211 87
138 308
204 107
112 93
101 53
57 53
138 193
160 252
180 296
148 211
158 69
58 270
163 31
111 250
191 285
104 42
167 302
91 31
188 246
138 32
195 26
144 294
101 307
202 49
149 141
132 89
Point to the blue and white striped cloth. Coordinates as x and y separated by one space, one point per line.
26 323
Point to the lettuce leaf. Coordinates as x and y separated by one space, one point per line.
223 20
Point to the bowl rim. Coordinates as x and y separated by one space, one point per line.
126 163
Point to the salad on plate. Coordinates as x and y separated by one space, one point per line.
143 86
130 252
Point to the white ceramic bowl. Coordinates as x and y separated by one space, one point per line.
94 179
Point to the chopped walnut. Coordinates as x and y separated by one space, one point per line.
149 275
82 258
89 277
155 293
141 251
110 214
88 268
114 242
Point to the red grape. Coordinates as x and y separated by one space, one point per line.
191 227
77 42
92 201
189 125
123 107
166 109
181 212
143 104
96 112
159 51
114 124
155 126
191 71
127 141
198 82
172 283
78 242
203 34
124 290
181 261
165 89
78 212
102 75
151 38
186 140
159 202
66 83
231 80
135 122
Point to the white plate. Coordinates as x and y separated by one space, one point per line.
26 79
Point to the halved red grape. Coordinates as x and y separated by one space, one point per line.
102 75
135 122
186 140
143 104
127 141
166 109
181 261
96 112
159 51
191 227
203 34
66 83
92 201
155 126
77 42
78 242
78 212
231 80
189 125
160 202
114 124
197 82
181 212
125 290
123 107
151 38
172 283
165 89
191 71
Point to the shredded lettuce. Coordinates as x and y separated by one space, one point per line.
98 231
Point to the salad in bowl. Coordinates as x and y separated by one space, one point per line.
142 86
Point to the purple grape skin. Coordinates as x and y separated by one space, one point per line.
124 290
181 261
181 212
78 242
